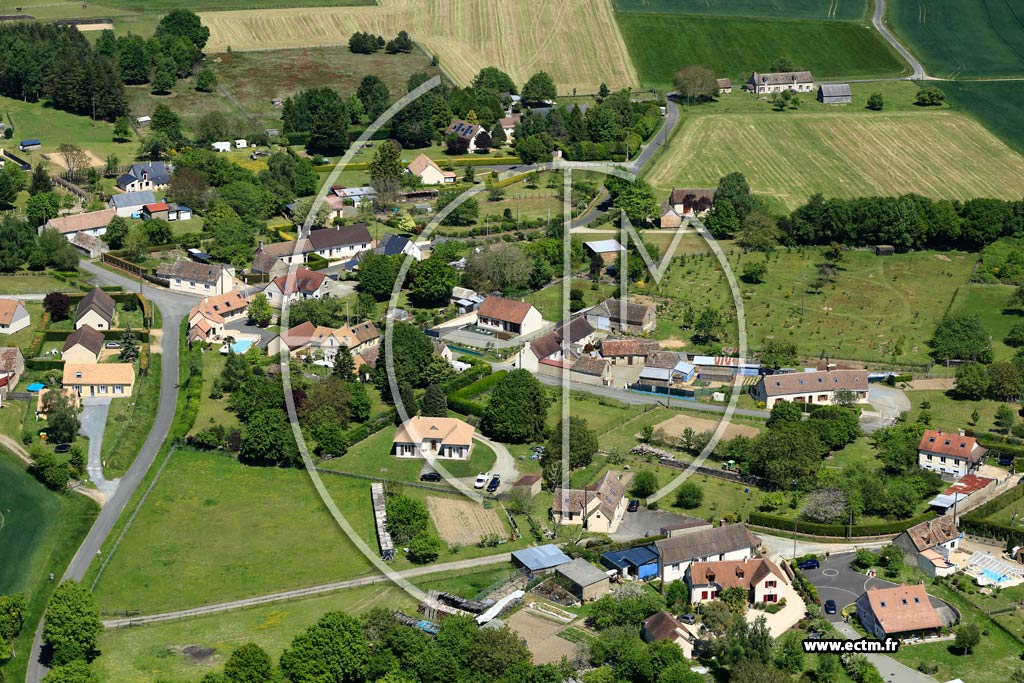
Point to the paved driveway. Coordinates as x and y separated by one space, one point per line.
644 523
887 403
94 422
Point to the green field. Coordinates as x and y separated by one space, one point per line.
54 127
154 652
129 422
877 308
949 414
661 44
39 531
978 39
796 9
998 105
789 156
991 302
215 530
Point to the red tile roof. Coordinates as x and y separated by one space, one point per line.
969 484
903 608
306 280
157 206
950 445
508 310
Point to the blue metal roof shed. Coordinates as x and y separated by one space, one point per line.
541 558
641 561
29 143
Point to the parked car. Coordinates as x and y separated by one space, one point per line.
430 476
808 564
113 345
830 607
481 481
688 618
633 506
493 486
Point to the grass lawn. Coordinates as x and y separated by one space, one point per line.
129 422
991 303
809 9
945 35
949 414
54 127
39 531
32 284
791 155
141 655
213 411
214 530
998 105
549 300
844 320
661 44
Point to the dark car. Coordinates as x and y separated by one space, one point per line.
430 476
830 607
493 486
688 618
809 564
1005 459
634 505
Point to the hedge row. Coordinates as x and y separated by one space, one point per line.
191 383
44 364
1011 445
461 401
837 530
467 377
113 334
976 521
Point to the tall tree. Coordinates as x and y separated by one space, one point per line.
12 181
374 95
516 409
961 336
735 188
334 649
539 87
386 172
40 181
696 83
72 626
249 664
185 23
434 403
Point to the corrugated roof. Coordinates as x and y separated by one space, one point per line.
605 246
581 572
541 557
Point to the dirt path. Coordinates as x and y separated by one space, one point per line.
933 384
15 447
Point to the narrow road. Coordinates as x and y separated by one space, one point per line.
457 565
892 671
94 423
173 308
504 463
919 72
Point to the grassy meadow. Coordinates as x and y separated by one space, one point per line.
991 303
661 44
579 46
788 156
876 309
54 127
979 39
998 105
795 9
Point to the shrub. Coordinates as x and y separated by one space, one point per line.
689 495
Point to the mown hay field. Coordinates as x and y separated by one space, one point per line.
798 9
790 156
576 41
957 39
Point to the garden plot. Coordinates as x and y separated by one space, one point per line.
463 522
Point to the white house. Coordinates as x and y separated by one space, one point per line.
205 279
599 508
732 542
429 173
305 284
92 223
96 309
951 455
928 545
508 125
149 175
13 316
466 131
513 317
129 204
241 143
817 387
394 245
793 81
439 437
340 242
759 577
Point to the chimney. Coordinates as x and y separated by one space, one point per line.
961 432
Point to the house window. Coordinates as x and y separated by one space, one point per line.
769 584
118 389
703 595
929 458
771 597
103 388
943 460
177 280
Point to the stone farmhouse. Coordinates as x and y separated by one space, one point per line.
817 387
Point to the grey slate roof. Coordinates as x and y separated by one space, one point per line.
835 90
391 244
127 199
99 301
707 543
783 78
344 236
581 572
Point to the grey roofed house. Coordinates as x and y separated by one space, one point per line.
391 244
549 344
612 308
835 93
666 360
807 382
591 365
99 301
343 236
782 78
154 171
707 543
131 199
90 338
191 270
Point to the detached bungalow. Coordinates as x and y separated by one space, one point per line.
82 346
198 278
817 387
338 243
100 379
93 223
509 316
793 81
429 173
129 204
438 437
466 132
898 612
395 245
13 316
96 310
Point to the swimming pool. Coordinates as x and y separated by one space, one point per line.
240 346
994 576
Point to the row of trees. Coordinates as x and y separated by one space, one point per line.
174 51
366 43
23 245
